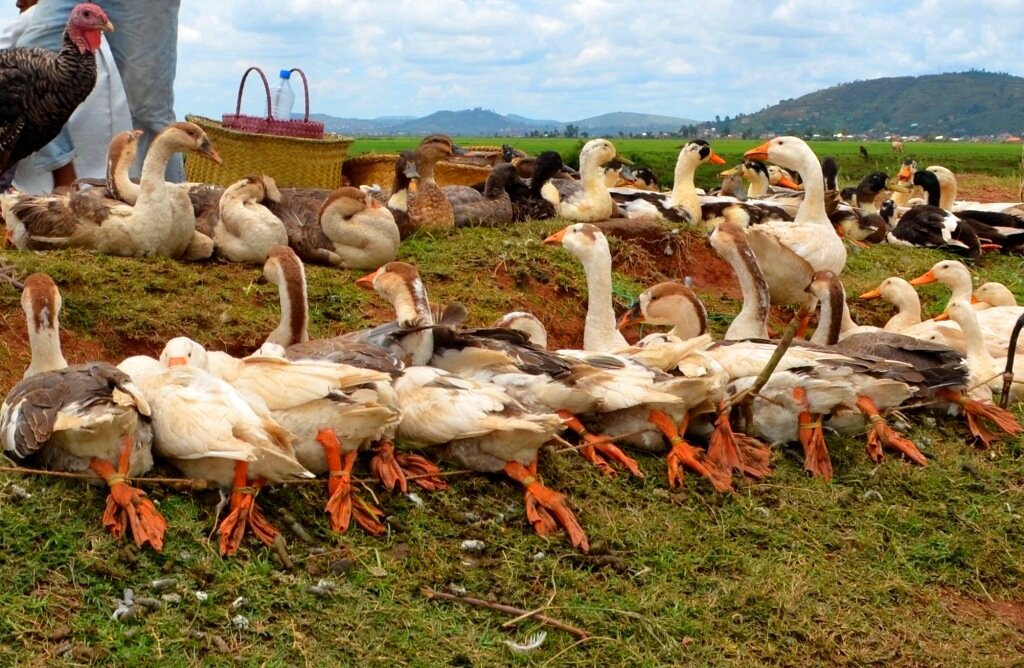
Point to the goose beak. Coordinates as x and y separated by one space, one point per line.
787 182
925 278
366 282
557 237
634 314
619 158
759 153
905 174
716 159
940 317
896 186
210 153
871 294
975 300
729 172
177 361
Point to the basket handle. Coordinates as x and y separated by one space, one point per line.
266 86
305 85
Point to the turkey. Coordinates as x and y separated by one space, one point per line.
39 89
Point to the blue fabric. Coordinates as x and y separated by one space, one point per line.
145 48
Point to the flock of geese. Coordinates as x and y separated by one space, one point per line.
426 386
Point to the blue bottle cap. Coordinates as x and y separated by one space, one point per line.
286 74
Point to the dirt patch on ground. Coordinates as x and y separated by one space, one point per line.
983 188
1010 613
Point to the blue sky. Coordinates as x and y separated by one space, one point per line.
570 60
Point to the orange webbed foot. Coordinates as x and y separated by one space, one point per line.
683 455
812 438
553 504
881 434
395 469
596 445
738 452
127 506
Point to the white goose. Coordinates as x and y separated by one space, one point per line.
160 223
790 253
81 418
682 204
206 429
246 229
477 424
901 294
587 199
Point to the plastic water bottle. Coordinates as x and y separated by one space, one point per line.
283 98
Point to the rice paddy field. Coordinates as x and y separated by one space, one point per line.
887 565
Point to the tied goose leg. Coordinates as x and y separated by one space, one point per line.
551 501
683 454
126 505
543 522
396 469
880 434
975 411
738 452
244 512
596 445
812 438
340 507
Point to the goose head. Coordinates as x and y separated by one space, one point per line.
951 273
788 152
85 25
598 152
120 155
697 152
189 138
396 282
778 176
907 170
347 202
584 240
527 323
672 304
259 188
894 290
183 351
993 294
41 302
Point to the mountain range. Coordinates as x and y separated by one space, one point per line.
484 122
970 103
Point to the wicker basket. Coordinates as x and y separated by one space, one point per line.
379 168
303 163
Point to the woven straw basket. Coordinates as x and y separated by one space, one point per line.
379 168
292 161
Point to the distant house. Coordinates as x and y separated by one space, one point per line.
1012 139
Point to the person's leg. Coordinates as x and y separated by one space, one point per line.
45 30
145 48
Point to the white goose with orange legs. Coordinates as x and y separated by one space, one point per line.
83 418
206 429
479 425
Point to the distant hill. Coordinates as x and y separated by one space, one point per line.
619 121
484 122
956 104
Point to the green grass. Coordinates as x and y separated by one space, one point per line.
999 160
889 565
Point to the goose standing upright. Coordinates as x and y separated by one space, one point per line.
89 417
790 253
588 199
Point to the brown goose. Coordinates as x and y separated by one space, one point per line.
428 207
88 417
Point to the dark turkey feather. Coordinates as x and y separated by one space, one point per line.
39 90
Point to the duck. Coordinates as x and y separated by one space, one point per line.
901 294
809 381
682 204
588 199
778 176
323 407
477 424
904 197
755 173
996 322
790 252
160 222
427 206
245 228
669 300
531 205
362 233
991 294
207 430
986 369
285 270
862 229
696 393
493 207
397 199
83 418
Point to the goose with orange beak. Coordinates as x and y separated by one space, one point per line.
791 252
587 199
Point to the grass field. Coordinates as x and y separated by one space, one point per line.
1000 160
888 565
